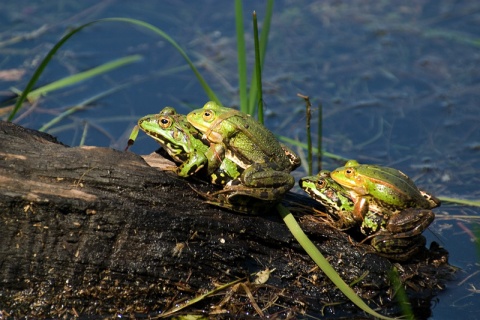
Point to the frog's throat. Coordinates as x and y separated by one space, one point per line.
214 135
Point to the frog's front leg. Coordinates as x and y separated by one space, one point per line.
360 208
194 163
373 222
215 156
197 160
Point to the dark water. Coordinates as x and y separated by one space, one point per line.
399 82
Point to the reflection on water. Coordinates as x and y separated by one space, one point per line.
399 85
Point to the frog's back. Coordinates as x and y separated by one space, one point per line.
257 144
401 185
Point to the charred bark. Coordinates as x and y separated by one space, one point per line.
96 231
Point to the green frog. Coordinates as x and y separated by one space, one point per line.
389 186
395 232
332 196
238 137
185 145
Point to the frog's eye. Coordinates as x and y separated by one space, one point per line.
208 115
321 184
164 122
349 171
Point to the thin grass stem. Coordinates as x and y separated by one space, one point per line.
304 146
263 49
258 69
84 134
320 260
75 78
473 203
401 295
81 106
241 56
58 45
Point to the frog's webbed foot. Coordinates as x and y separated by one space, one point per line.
386 244
201 194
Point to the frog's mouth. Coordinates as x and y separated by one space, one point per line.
191 118
208 132
212 137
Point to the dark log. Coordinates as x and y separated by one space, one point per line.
96 231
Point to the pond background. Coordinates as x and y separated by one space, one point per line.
399 84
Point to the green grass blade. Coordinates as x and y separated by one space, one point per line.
265 30
61 116
211 95
320 260
304 146
241 56
258 69
473 203
400 295
453 36
84 134
40 69
51 53
81 106
263 50
73 79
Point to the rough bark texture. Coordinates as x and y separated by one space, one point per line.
96 231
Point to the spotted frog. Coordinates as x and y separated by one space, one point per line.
185 145
394 231
238 137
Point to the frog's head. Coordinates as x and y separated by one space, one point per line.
208 121
349 177
169 129
326 191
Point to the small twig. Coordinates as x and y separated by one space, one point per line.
252 300
320 135
309 134
25 36
467 231
467 278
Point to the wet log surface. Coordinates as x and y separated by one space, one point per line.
96 231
